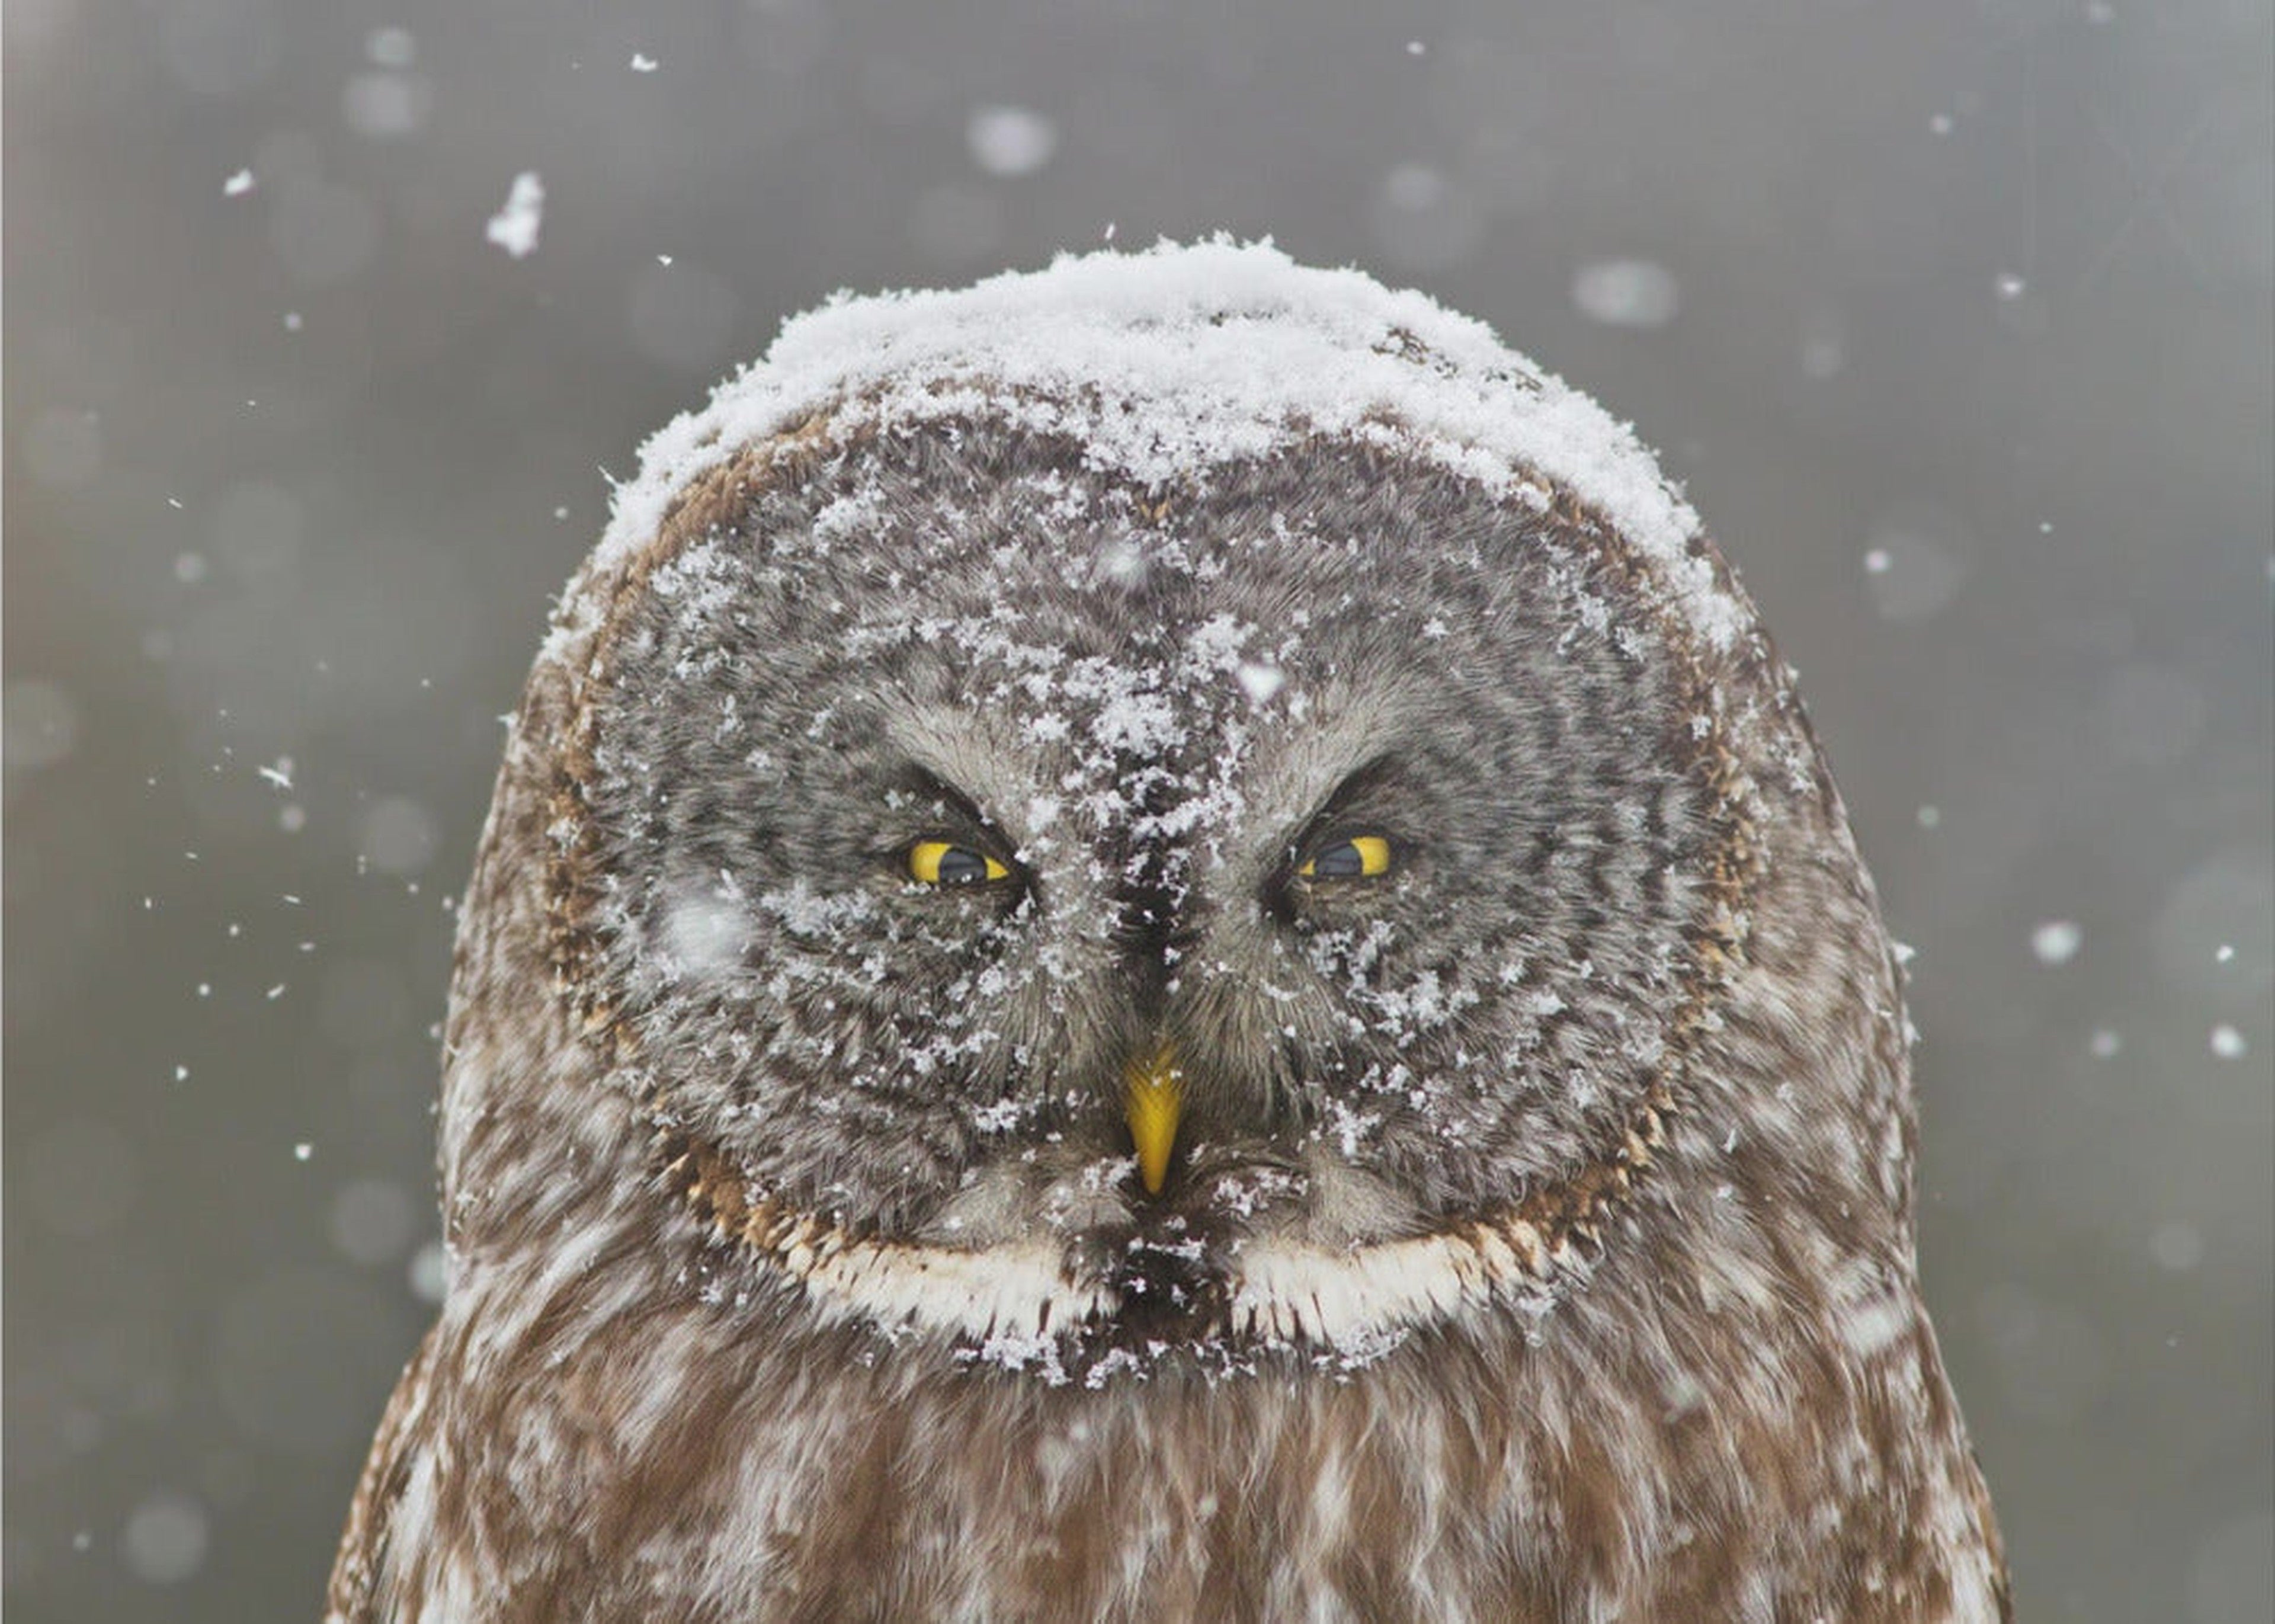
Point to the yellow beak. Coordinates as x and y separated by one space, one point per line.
1156 1099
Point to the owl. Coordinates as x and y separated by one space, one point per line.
1159 942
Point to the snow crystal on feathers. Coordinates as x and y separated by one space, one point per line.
1173 361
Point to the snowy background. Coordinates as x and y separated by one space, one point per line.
1954 318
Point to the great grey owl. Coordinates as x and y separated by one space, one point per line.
1158 942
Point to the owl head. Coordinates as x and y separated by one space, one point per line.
1170 807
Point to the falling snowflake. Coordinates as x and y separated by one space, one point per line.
514 228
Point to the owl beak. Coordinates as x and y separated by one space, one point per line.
1155 1098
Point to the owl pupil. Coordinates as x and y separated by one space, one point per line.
959 866
1339 862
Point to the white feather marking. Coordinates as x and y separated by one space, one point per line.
939 1288
1355 1297
1359 1301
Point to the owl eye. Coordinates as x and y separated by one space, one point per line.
939 863
1362 856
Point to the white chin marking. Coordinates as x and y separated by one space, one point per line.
1351 1300
1355 1297
1006 1290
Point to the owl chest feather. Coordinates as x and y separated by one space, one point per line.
1473 1473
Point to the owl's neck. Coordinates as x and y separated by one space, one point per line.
1664 1445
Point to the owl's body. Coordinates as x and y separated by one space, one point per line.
1158 943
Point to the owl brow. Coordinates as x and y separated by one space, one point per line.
917 779
1356 786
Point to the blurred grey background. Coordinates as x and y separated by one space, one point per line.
1955 318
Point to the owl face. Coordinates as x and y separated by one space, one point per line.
1133 904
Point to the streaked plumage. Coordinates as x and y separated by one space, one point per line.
1185 704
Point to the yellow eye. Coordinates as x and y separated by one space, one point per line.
937 863
1360 857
